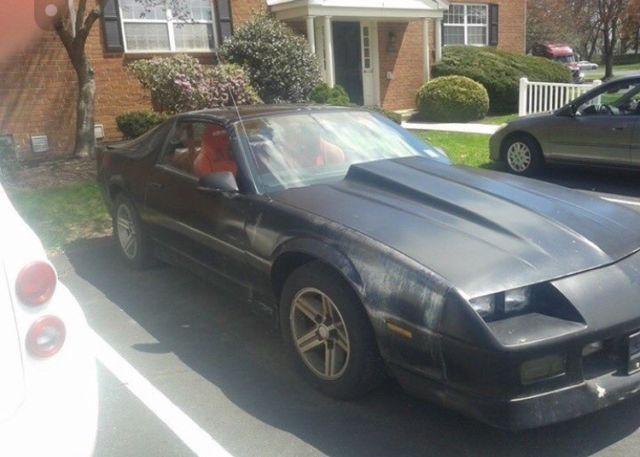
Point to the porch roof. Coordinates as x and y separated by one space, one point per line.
381 9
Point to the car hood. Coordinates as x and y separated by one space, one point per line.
481 230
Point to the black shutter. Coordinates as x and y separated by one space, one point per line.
111 27
225 21
494 21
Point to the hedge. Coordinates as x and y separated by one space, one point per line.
135 123
452 99
499 72
325 95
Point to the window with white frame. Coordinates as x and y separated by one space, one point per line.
155 29
466 24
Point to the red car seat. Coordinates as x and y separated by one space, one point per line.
215 154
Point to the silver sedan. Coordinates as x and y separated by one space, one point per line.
601 127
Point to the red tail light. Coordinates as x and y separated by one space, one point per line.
36 283
46 336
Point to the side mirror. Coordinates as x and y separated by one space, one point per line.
568 110
223 181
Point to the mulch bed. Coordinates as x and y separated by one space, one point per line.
51 174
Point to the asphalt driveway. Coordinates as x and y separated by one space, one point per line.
204 349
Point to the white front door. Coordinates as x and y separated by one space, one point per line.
370 71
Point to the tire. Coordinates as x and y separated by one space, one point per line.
345 332
522 155
133 244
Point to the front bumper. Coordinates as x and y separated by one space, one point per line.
528 412
495 144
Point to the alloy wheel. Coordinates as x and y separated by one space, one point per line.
519 157
319 333
127 234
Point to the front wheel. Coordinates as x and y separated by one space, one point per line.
129 234
522 155
328 333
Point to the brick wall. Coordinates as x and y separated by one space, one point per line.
512 26
242 9
38 89
512 34
405 62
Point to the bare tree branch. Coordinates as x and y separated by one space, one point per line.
82 7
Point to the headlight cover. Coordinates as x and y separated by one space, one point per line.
503 304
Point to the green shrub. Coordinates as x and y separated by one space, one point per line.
280 64
135 123
452 99
181 83
325 95
499 72
395 117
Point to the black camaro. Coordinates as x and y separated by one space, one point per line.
511 300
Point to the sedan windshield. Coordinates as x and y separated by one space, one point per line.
302 149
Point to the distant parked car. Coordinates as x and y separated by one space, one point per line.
48 387
585 65
598 128
562 54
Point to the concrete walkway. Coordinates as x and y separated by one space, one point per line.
483 129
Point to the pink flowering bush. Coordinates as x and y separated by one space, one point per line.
181 83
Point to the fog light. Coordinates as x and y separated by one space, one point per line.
543 368
591 348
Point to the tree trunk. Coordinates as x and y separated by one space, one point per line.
85 109
607 51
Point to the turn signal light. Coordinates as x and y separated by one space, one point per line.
36 283
46 336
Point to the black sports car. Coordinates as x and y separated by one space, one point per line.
508 299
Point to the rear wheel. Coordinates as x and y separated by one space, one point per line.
522 155
129 234
328 333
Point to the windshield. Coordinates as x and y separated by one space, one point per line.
302 149
565 59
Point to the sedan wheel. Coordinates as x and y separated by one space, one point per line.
519 157
329 333
522 155
320 334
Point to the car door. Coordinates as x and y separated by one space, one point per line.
601 131
206 227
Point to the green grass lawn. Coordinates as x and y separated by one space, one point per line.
65 214
618 70
463 148
499 120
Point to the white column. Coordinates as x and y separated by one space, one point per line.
438 40
311 34
328 52
426 50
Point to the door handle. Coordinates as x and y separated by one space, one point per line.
155 186
617 128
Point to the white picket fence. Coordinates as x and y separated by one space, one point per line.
538 97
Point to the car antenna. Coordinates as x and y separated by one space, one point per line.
235 105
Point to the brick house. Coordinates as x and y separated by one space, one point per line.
374 48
